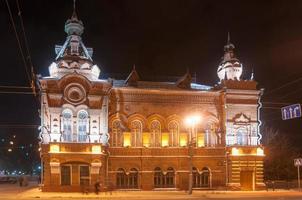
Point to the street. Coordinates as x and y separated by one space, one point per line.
12 191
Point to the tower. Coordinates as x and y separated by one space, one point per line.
230 68
74 114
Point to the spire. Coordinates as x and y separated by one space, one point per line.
229 46
74 13
74 26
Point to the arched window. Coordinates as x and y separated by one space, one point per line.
158 178
242 138
205 177
116 136
136 133
164 180
170 178
155 129
126 181
174 133
201 179
133 178
82 125
67 125
121 178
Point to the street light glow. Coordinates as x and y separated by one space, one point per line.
193 120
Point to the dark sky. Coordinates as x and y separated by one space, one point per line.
161 37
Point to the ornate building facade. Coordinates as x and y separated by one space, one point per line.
133 134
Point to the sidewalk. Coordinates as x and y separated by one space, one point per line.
36 193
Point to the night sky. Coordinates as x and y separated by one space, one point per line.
162 38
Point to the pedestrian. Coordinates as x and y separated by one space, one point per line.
21 179
97 186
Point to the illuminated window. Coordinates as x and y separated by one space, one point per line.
67 125
127 139
155 129
174 132
96 149
242 137
183 139
165 139
116 136
200 140
136 133
146 139
54 148
82 125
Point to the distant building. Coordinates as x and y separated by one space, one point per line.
132 134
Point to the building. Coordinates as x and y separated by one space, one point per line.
135 134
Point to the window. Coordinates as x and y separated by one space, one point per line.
158 178
174 132
155 129
65 175
170 178
127 181
67 125
84 175
116 135
136 133
201 179
121 178
164 180
133 178
242 137
82 125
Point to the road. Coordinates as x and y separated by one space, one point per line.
13 192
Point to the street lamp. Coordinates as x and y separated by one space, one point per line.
191 121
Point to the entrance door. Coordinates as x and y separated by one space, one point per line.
247 180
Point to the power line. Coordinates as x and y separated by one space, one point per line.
27 49
283 86
19 43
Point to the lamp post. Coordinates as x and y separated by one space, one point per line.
191 121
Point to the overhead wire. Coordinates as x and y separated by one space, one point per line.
19 43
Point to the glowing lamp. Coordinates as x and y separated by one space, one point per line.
235 151
192 120
54 148
96 149
260 151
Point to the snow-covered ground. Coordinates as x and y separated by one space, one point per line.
13 191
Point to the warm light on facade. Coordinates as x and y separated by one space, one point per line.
183 139
96 149
146 139
165 140
260 151
127 139
235 151
54 148
200 140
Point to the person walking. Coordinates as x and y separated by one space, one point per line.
97 186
